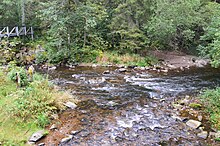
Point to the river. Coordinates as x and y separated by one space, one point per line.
128 108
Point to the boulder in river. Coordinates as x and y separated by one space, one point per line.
193 124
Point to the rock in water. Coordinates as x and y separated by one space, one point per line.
203 134
106 72
122 70
70 105
37 136
193 124
66 139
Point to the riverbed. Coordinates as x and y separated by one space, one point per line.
128 107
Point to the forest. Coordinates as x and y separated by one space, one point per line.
80 31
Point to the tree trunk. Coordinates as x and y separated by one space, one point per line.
23 12
84 42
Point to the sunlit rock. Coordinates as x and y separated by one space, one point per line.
193 124
70 105
37 136
66 139
122 70
54 126
203 134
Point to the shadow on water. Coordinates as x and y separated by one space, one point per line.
131 108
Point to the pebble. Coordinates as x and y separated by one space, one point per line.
193 124
74 132
84 133
70 105
217 134
66 139
112 103
54 126
94 65
203 134
41 144
200 118
106 72
122 70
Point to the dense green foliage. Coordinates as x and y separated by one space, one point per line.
80 31
211 39
211 100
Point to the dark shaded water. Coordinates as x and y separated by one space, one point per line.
131 108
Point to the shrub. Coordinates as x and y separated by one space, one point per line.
211 37
126 59
211 100
22 73
38 101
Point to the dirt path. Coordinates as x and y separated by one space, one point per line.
175 59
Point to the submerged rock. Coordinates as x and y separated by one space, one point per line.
193 124
37 136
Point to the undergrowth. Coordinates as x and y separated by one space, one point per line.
126 59
27 109
211 100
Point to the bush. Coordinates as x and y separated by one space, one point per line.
126 59
211 100
8 50
211 37
22 73
38 101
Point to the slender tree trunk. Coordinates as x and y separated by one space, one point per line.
23 12
84 42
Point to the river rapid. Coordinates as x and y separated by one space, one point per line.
129 107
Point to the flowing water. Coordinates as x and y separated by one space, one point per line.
130 108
